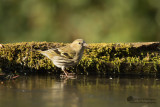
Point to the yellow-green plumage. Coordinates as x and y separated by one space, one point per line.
66 56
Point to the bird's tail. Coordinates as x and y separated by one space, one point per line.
45 53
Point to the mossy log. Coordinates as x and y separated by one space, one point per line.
98 58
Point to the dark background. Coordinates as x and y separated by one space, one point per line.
92 20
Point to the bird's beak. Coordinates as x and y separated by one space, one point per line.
84 44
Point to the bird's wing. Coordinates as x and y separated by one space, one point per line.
67 52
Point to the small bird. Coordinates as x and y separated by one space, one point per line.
66 56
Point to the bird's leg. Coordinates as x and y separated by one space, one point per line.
65 72
68 75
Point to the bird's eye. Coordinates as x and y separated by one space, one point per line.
79 43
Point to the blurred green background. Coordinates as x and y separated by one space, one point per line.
92 20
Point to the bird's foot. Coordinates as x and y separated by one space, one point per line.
72 76
63 76
69 75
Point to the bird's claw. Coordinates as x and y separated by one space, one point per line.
69 75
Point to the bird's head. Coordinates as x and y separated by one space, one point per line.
78 45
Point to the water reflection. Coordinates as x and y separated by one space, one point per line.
48 91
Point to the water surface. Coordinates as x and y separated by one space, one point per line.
49 91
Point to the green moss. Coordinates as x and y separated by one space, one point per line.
99 58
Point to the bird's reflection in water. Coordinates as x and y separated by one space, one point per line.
49 91
43 91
